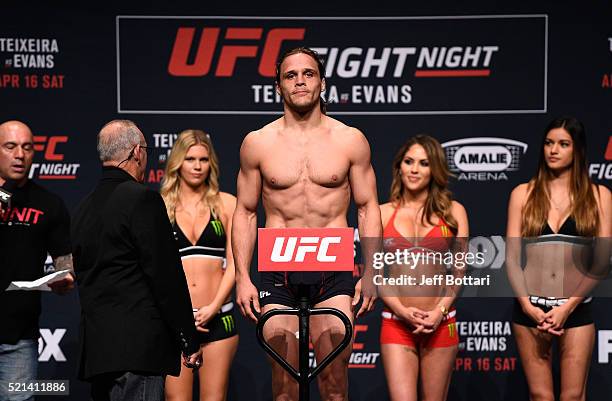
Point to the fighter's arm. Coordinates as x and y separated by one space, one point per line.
363 187
244 224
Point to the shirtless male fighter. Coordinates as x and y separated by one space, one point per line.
305 166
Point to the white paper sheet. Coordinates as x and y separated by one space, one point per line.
41 284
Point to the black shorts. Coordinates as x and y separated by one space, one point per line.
281 287
581 316
220 327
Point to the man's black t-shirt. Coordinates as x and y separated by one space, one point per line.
37 222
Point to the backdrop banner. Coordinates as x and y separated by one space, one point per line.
484 79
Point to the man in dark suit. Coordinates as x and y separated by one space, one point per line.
136 314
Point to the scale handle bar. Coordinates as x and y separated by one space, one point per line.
348 333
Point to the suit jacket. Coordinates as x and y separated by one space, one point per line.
136 313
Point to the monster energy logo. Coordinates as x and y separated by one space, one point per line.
228 323
444 230
218 227
451 329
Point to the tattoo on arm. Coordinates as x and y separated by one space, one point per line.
63 263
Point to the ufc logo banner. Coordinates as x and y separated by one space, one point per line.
305 249
374 65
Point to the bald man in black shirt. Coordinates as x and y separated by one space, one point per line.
36 223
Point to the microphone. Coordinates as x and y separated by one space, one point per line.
6 192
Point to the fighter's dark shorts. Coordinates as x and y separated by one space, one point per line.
220 327
281 287
581 316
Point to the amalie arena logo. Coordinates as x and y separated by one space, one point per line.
374 65
483 158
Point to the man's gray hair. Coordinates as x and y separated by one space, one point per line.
116 139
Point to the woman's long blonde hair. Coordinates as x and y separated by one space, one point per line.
172 181
439 198
583 206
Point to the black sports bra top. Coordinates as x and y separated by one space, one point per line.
567 228
211 243
568 233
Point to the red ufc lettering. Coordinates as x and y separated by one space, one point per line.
608 154
50 153
358 328
267 66
229 55
305 249
180 52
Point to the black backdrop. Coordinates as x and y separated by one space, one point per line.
505 71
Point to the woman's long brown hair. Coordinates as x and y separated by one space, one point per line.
439 198
583 206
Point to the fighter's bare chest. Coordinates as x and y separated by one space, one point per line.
321 165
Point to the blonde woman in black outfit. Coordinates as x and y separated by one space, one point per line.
201 217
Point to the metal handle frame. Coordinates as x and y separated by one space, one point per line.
304 376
